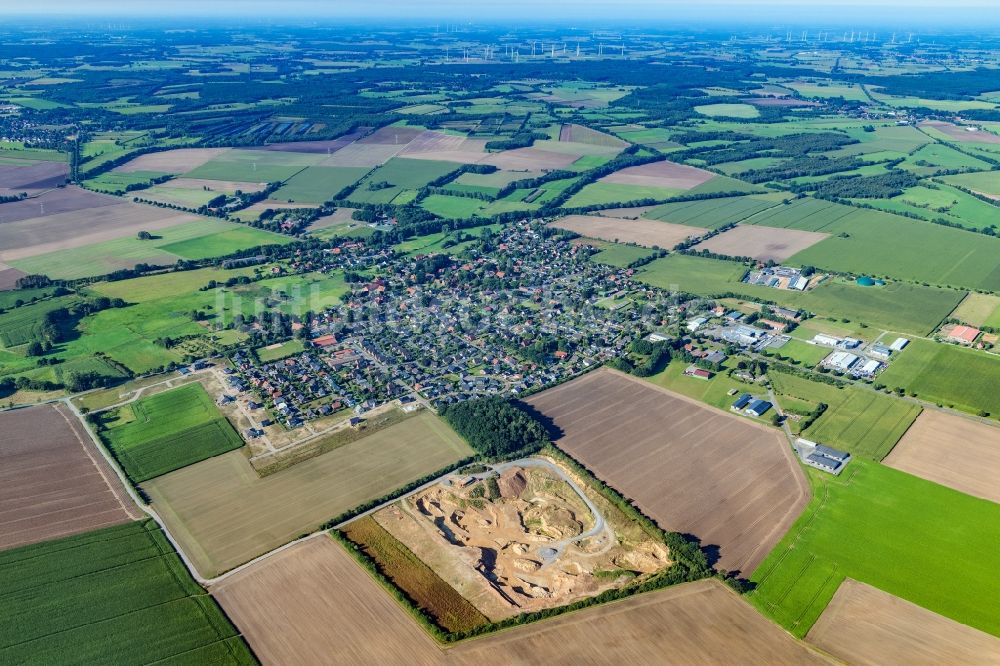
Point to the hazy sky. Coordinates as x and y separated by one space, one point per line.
630 11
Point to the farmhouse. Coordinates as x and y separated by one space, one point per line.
963 334
822 457
758 408
697 373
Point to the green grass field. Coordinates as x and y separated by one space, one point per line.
806 354
24 324
728 110
167 431
936 157
710 213
450 207
949 375
284 350
161 306
907 308
616 254
824 89
960 258
863 422
113 596
984 181
401 174
206 235
113 182
224 242
318 184
979 310
920 541
714 391
255 166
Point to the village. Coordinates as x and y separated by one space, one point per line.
518 313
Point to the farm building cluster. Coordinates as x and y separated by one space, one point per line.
751 406
779 277
822 457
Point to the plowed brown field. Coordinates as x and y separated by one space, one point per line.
694 469
762 243
53 482
313 604
864 625
951 450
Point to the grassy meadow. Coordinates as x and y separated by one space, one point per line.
167 431
920 541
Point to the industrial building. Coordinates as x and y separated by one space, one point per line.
899 344
841 361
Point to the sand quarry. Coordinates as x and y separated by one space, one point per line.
520 539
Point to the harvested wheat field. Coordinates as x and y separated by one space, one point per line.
761 243
224 514
432 145
951 450
53 481
960 133
181 160
313 604
62 200
864 625
582 134
32 237
391 135
661 174
529 159
648 233
227 186
360 154
694 469
696 623
327 146
337 217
